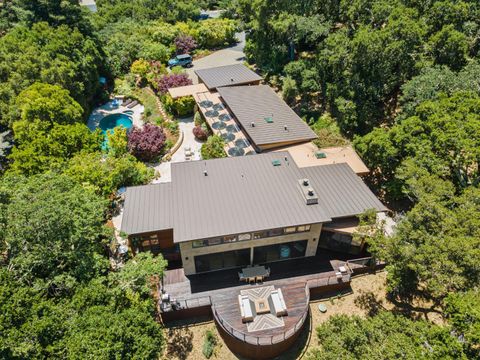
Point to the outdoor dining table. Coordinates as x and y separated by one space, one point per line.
254 272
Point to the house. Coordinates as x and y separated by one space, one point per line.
233 212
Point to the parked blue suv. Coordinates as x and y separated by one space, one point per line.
184 60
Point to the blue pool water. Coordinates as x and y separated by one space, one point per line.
110 122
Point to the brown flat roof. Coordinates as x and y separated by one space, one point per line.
229 75
188 90
264 116
304 156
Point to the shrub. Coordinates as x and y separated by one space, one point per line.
106 174
209 344
140 68
185 44
172 127
184 106
213 33
146 143
117 141
200 133
171 81
198 119
155 72
213 148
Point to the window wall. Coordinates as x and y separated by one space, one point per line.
251 236
222 260
339 242
277 252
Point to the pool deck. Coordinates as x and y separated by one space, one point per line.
107 109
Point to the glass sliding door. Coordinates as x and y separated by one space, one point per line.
277 252
222 260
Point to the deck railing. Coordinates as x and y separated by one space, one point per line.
190 303
265 339
366 261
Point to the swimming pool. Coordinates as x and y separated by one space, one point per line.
111 121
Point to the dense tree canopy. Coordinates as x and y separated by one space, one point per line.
111 11
107 174
463 313
98 321
442 139
352 57
384 336
51 230
434 249
42 146
55 13
58 56
48 103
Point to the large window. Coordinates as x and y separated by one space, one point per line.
276 252
249 236
339 242
222 260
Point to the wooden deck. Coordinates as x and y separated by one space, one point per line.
219 291
217 284
296 298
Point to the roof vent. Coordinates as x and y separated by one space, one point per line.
231 80
320 155
286 128
205 172
308 192
252 124
276 163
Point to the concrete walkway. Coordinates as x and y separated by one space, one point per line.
228 56
186 125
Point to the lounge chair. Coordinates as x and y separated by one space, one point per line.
279 307
241 277
127 102
132 104
245 308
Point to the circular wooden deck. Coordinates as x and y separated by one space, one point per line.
264 339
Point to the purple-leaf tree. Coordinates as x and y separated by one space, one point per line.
200 133
185 44
146 143
171 81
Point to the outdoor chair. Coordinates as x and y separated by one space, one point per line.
279 306
258 278
132 104
241 277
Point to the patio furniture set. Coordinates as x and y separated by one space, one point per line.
253 274
130 104
188 153
274 304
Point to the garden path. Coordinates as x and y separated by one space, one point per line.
186 126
